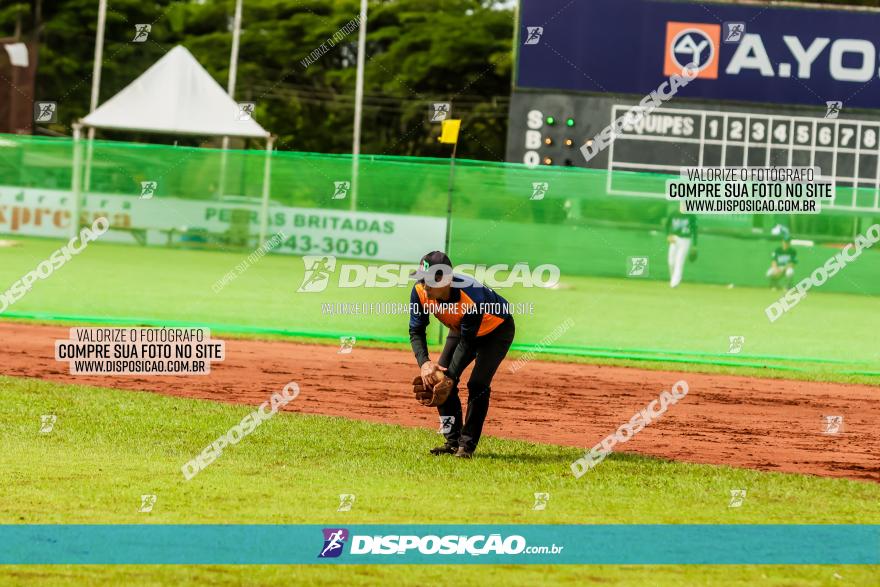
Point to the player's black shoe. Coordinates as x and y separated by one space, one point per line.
446 449
464 453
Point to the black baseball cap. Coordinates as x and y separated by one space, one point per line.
432 259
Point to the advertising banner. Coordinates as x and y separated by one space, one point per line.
172 221
744 52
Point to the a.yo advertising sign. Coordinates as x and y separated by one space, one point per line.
778 55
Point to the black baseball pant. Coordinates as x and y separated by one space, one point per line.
489 351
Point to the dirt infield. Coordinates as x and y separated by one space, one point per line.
771 425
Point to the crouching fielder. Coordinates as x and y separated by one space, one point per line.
784 259
481 330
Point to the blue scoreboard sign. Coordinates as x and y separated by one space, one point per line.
744 52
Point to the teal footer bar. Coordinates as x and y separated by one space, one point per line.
440 544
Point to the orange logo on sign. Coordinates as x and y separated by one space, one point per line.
692 42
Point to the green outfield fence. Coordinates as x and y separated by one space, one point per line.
576 225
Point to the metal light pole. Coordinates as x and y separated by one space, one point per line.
96 85
99 55
230 87
358 105
233 57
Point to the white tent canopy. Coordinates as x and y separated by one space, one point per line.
176 96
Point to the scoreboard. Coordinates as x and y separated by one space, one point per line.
845 150
550 129
760 99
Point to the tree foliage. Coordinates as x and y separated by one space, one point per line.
418 52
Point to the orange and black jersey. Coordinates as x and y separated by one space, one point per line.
473 309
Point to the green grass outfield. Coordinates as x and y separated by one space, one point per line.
636 322
109 447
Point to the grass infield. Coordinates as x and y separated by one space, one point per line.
108 447
633 322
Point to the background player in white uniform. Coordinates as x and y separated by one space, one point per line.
681 234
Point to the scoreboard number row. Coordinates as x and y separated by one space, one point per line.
758 130
847 150
785 132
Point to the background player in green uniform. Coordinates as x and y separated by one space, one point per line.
681 234
784 258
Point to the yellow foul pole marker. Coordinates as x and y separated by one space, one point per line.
449 131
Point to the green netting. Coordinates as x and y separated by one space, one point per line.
577 225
